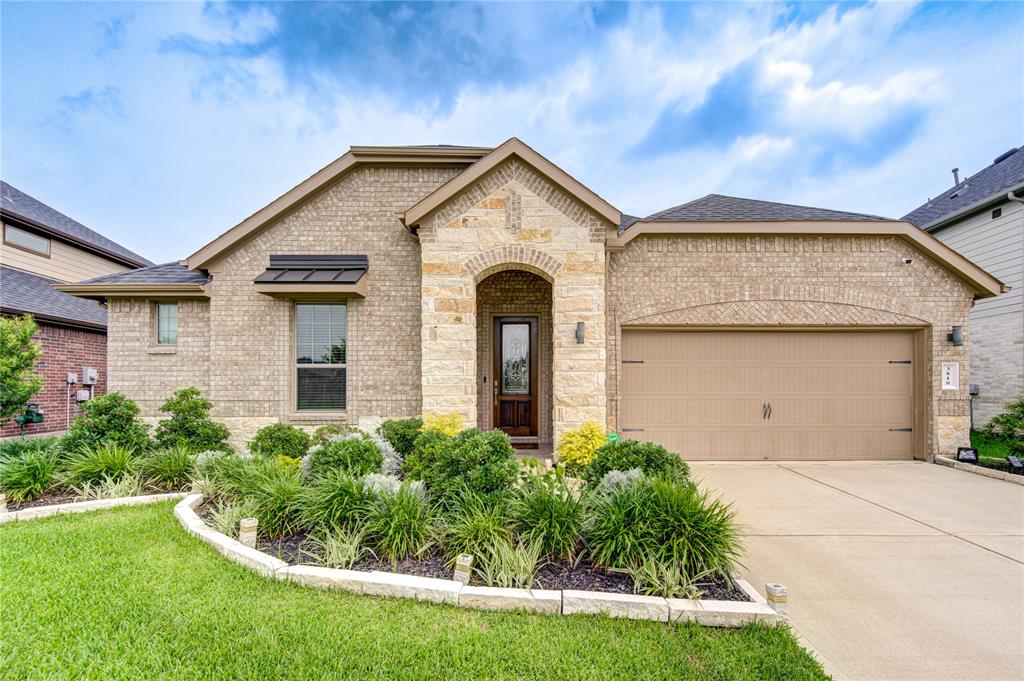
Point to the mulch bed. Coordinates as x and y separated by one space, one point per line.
47 499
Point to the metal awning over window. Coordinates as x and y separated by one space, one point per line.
314 275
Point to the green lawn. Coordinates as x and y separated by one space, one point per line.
126 594
990 447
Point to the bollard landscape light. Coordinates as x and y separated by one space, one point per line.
247 532
967 454
778 598
463 568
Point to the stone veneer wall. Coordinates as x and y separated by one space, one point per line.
513 293
238 347
772 281
513 218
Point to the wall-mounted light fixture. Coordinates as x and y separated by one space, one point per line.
580 332
956 336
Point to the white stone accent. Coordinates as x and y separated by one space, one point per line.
544 601
720 613
615 605
410 586
325 578
85 506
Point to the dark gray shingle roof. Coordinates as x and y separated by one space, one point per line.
719 208
991 182
167 273
24 206
24 292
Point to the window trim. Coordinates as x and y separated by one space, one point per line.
166 347
27 249
297 413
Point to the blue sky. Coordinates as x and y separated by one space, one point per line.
164 124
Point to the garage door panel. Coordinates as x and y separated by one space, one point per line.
845 395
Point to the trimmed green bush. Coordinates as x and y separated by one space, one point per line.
355 454
190 425
95 463
168 469
279 439
401 433
107 418
401 523
547 512
327 431
337 500
27 475
472 460
419 463
652 459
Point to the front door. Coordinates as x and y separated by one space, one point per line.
515 375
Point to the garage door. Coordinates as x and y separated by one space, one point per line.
776 395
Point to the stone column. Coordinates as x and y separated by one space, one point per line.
448 338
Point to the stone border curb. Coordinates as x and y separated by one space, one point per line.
85 506
979 470
543 601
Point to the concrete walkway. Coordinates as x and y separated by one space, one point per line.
902 570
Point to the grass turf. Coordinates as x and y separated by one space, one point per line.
990 447
126 594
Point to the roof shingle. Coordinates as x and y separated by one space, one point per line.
22 292
167 273
988 183
22 205
719 208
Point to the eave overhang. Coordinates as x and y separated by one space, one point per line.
103 291
984 284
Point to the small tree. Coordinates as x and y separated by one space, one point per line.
190 425
18 356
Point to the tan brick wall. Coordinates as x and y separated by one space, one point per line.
513 218
773 281
513 293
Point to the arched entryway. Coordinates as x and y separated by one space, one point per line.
514 356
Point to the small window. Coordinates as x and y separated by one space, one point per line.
321 330
167 323
21 238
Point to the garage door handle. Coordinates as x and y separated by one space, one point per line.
632 430
766 410
901 430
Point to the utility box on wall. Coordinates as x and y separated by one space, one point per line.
90 376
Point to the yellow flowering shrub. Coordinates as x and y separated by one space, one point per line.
289 462
449 424
576 450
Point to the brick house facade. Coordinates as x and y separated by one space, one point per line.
494 285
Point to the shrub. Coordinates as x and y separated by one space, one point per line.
223 474
97 462
127 485
401 433
356 454
401 524
665 578
279 438
503 565
326 432
340 548
27 475
168 469
613 480
549 515
576 450
425 453
226 516
18 357
1010 426
474 523
12 448
449 424
392 460
336 501
652 459
276 494
190 425
107 418
665 520
484 463
289 462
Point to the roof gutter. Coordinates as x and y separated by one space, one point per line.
1010 196
102 291
56 320
974 207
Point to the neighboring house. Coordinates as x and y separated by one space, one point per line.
403 280
982 218
42 247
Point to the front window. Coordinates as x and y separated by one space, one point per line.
320 349
27 240
167 323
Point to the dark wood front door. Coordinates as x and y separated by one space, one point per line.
515 375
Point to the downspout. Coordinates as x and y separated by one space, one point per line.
1010 196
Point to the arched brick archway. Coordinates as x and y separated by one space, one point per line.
513 257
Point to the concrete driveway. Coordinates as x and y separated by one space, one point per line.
895 570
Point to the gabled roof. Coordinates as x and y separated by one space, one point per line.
19 206
720 208
513 147
27 293
444 155
170 279
988 185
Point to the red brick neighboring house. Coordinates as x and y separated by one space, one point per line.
41 247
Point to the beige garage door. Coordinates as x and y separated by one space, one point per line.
777 395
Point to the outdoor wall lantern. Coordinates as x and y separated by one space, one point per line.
580 332
956 337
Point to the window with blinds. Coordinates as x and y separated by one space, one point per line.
320 349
